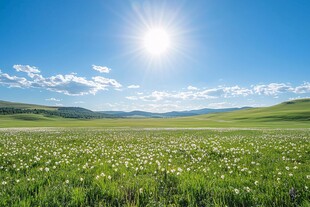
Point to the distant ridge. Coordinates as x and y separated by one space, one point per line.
7 107
170 114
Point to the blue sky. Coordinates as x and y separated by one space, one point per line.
92 53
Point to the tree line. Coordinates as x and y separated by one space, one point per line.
65 112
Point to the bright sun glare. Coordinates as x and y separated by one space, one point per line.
156 41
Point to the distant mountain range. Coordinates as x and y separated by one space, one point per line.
170 114
7 108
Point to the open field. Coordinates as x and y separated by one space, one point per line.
31 120
7 104
136 167
292 114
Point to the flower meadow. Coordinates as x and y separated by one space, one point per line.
154 167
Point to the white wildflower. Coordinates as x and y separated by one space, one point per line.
236 191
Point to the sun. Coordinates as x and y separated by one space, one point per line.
156 41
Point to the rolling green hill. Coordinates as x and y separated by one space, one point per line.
7 104
291 114
296 110
24 110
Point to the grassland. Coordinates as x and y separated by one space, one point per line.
29 120
297 110
7 104
244 161
121 167
293 114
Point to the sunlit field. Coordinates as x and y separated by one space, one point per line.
92 167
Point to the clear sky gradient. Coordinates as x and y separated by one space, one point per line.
91 53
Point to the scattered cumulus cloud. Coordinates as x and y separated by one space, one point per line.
106 82
132 98
162 107
52 99
272 89
197 94
237 91
299 97
26 68
221 105
74 85
192 88
151 107
101 69
304 88
133 86
79 102
69 84
155 96
13 81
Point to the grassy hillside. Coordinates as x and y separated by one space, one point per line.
297 110
31 110
292 114
7 104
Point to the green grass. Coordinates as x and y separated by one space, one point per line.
78 163
7 104
121 167
294 114
7 121
298 110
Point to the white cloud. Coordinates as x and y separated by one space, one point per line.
101 69
26 69
79 102
221 105
192 88
272 89
69 84
132 98
206 94
299 97
52 99
14 81
209 93
237 91
133 86
160 108
222 92
183 95
151 107
156 96
106 82
304 88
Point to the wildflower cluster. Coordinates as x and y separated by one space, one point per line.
85 167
